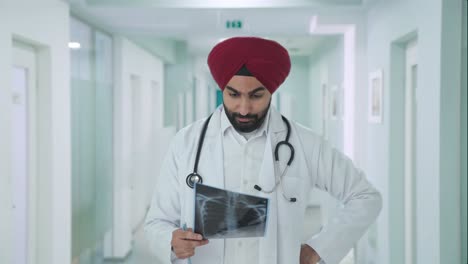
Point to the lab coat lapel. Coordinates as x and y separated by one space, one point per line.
268 173
210 167
212 157
278 133
268 176
268 244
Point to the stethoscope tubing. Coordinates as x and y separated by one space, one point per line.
195 178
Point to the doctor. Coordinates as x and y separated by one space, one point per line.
246 146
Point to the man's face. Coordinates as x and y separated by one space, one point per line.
246 102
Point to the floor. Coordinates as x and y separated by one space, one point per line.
141 254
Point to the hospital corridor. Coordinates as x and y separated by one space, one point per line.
93 93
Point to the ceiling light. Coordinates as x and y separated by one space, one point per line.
313 24
74 45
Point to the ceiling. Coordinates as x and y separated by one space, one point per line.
202 23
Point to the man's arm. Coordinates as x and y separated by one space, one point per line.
336 174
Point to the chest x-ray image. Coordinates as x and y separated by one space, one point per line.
224 214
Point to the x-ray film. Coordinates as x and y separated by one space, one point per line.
224 214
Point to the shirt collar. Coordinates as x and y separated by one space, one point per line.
226 124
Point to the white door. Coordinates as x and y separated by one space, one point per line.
23 134
410 150
286 104
180 111
157 107
136 158
324 111
156 115
189 114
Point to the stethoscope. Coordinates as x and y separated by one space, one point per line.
195 178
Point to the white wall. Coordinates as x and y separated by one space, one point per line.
202 95
389 22
146 152
179 77
46 27
295 90
326 67
450 102
463 135
315 95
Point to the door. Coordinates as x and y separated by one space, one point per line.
189 107
180 111
23 139
411 73
137 149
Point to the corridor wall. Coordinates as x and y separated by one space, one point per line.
326 71
296 87
178 78
437 210
138 138
44 26
463 135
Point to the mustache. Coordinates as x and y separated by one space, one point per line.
250 116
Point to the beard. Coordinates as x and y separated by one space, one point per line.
255 120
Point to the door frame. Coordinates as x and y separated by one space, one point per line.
25 56
410 152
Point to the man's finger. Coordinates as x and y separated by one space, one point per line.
194 244
189 235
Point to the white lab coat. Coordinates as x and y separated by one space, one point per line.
315 165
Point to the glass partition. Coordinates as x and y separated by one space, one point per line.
92 138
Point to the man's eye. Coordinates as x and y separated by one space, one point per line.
233 94
256 96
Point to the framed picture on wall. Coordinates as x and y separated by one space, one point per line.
375 97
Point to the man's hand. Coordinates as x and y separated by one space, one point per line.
184 243
308 255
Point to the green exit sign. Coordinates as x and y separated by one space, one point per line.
236 24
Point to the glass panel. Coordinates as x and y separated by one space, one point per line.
103 133
92 139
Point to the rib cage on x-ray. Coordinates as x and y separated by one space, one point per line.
224 214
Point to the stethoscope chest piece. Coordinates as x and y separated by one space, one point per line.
193 178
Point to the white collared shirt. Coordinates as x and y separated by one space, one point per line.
243 157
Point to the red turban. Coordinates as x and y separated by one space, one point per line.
267 60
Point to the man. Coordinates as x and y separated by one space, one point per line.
238 154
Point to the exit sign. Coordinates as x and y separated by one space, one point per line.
235 24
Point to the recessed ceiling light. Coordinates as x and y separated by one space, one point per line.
74 45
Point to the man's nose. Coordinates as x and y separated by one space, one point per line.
244 107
